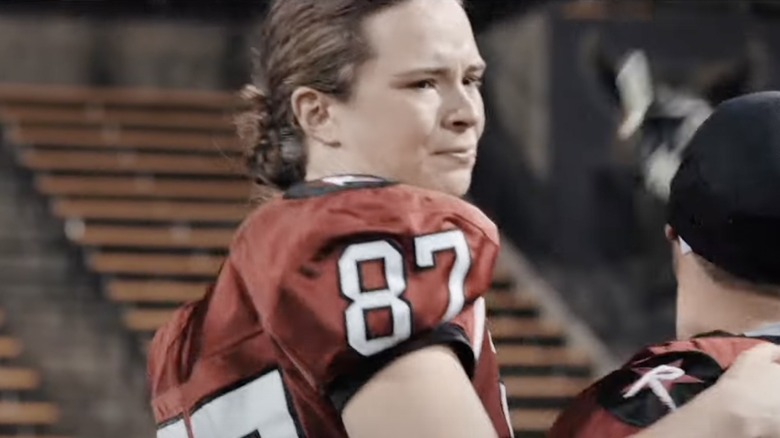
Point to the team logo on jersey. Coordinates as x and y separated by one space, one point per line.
660 380
645 390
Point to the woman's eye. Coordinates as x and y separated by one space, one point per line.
424 84
473 81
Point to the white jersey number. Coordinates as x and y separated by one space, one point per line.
392 296
256 409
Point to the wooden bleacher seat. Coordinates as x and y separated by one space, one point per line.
157 238
130 163
533 420
154 265
510 302
141 187
141 291
18 379
115 138
146 320
110 139
544 386
540 356
162 211
28 414
116 97
10 348
36 115
509 327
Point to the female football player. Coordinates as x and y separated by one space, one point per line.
350 305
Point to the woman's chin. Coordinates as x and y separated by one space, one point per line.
455 182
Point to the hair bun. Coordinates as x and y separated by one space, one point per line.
254 96
274 157
254 123
257 103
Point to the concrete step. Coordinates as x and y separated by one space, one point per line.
14 230
23 269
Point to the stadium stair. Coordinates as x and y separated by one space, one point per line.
73 340
147 187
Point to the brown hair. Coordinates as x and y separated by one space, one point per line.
313 43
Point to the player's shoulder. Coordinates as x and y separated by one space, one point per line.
720 346
193 348
352 201
165 350
662 377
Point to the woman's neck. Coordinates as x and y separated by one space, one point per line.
332 161
739 310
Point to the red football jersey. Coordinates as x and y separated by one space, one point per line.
656 381
321 289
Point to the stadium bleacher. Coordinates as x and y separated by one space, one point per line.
148 187
24 410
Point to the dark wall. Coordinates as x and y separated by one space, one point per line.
588 213
586 222
592 211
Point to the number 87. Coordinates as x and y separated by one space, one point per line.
391 297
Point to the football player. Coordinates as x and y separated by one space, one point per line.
349 305
724 229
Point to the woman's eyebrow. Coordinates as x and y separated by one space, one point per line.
476 67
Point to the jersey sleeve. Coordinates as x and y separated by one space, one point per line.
586 418
164 359
654 383
370 277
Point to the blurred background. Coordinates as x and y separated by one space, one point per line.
121 183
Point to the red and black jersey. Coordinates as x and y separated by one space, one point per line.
655 382
321 289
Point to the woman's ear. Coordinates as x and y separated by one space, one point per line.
313 111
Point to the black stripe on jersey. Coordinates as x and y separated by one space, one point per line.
345 387
772 339
170 421
313 189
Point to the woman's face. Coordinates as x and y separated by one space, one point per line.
416 113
